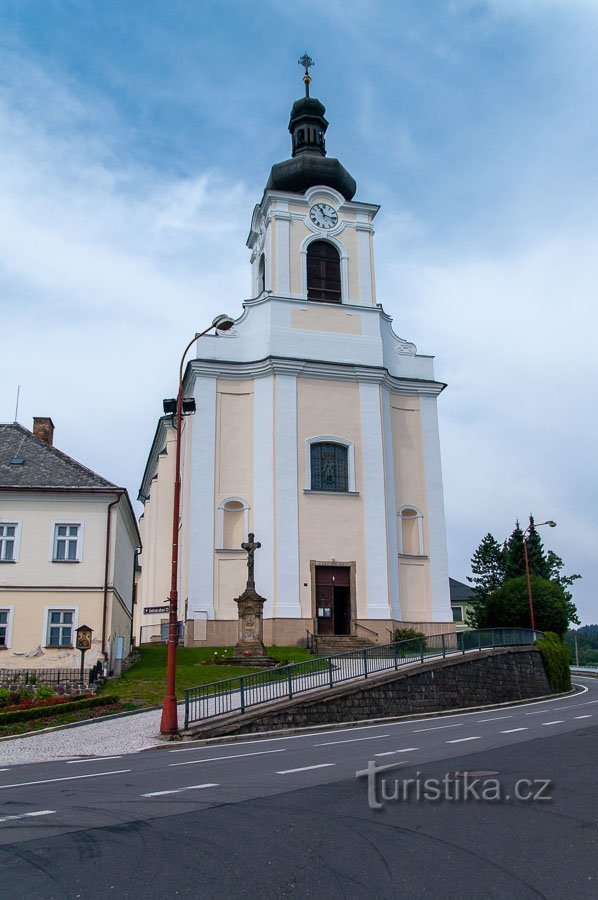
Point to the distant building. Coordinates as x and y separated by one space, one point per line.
316 429
461 596
68 542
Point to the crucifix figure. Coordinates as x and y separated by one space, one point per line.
251 546
306 61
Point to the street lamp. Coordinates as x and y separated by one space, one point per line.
551 524
169 721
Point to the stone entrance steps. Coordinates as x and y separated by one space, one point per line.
340 643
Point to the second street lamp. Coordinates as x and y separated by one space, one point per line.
169 722
530 527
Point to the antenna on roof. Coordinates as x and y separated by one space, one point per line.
17 404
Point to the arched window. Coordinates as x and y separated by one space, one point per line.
323 272
261 275
233 523
329 467
411 532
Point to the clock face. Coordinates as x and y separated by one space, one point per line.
323 216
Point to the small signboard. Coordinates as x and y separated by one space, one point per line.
155 610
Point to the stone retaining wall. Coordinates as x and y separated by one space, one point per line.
485 677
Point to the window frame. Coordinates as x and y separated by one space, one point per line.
331 439
10 610
344 263
45 642
71 523
16 540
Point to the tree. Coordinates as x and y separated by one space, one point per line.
514 553
509 606
555 564
538 564
487 567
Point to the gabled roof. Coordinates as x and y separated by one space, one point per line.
459 591
43 466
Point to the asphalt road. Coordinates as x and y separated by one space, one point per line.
289 817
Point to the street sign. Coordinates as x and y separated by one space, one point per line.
153 610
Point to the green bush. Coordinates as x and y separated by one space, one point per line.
407 634
44 692
555 657
41 712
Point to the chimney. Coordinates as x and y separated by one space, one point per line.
43 429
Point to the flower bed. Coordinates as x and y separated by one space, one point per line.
31 709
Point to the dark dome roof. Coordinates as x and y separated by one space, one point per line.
305 171
309 165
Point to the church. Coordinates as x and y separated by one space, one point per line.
316 429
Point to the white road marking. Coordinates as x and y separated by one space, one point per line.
577 717
391 752
91 759
5 787
194 762
512 730
4 770
192 787
305 768
375 737
438 727
556 722
494 719
29 815
460 740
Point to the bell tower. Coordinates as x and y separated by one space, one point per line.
308 200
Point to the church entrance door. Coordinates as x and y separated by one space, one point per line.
333 599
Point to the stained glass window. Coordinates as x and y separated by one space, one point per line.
329 467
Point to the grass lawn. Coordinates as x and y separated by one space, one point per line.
145 683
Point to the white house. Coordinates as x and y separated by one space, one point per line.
316 429
68 542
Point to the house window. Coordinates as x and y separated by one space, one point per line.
66 543
329 467
60 627
457 613
323 272
4 622
411 532
261 275
8 539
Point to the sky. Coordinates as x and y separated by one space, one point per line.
136 137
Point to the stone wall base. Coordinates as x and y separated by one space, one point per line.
475 679
293 632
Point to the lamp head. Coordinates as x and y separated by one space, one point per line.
223 323
551 523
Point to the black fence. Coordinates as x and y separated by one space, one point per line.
42 676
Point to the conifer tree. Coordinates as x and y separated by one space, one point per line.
538 564
487 567
514 553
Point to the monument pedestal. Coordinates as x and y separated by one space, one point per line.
249 649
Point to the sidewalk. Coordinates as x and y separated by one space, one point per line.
114 737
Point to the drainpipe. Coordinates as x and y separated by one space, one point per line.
106 572
132 639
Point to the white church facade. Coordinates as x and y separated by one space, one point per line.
316 429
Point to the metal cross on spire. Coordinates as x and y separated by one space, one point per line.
306 61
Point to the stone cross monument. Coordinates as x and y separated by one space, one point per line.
250 644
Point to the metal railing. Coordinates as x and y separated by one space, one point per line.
284 682
368 630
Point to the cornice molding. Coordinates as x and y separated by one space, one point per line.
274 365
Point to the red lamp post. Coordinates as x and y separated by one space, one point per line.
552 524
169 722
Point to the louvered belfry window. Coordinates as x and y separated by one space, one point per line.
323 272
329 468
